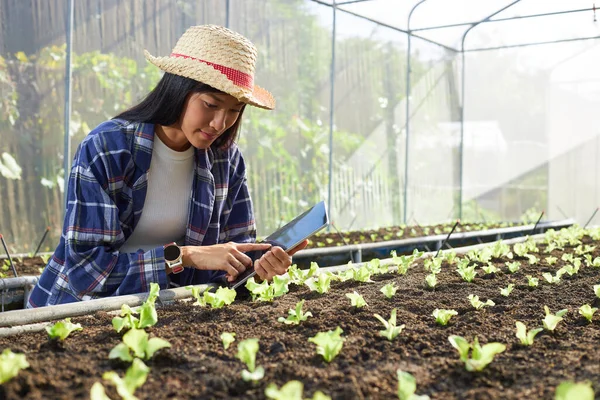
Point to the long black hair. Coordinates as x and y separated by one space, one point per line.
164 105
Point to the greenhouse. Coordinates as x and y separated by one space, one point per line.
420 178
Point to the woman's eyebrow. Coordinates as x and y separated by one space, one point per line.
220 100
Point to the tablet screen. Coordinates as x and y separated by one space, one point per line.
290 235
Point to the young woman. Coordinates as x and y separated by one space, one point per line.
159 194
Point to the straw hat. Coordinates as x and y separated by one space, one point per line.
217 57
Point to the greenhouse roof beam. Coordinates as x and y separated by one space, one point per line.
502 19
510 46
384 24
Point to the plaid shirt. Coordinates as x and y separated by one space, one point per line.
106 194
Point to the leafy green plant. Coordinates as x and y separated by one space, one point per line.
147 312
292 390
320 284
10 365
329 343
532 259
227 338
135 376
481 356
45 258
574 391
433 265
551 260
62 329
431 280
221 297
407 386
513 266
389 290
296 315
299 276
553 280
531 281
587 311
247 350
362 274
136 341
597 290
356 300
592 263
490 269
572 269
478 304
507 290
405 261
525 337
551 320
391 330
467 273
501 250
443 316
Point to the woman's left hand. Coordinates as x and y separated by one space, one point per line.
276 261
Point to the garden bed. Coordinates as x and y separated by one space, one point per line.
197 366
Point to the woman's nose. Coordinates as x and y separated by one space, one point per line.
218 121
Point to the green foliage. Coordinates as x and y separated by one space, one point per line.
443 316
551 320
10 365
62 329
391 330
292 390
389 290
320 284
480 357
329 343
356 300
221 297
574 391
478 304
407 386
507 290
135 376
587 311
247 350
147 311
136 341
296 315
227 338
525 337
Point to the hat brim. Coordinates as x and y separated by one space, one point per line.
205 73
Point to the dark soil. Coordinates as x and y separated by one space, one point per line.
25 266
197 366
335 238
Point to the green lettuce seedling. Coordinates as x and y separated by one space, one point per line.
377 267
513 266
257 290
551 260
478 304
296 315
431 280
62 329
135 376
329 343
389 290
587 311
292 390
467 273
407 386
356 300
136 341
362 274
490 269
531 281
321 283
221 297
404 262
442 316
553 280
227 338
481 355
247 350
596 290
572 269
433 265
147 312
592 263
450 257
10 365
520 249
299 276
574 391
567 257
501 250
525 337
391 330
532 259
507 290
551 320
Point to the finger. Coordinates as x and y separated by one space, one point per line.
260 271
296 249
241 257
243 247
230 270
272 265
281 256
235 263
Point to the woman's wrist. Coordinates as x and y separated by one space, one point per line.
185 256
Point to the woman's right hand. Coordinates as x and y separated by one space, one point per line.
228 257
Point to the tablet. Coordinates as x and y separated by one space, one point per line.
289 236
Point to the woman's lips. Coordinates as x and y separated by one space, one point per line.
208 135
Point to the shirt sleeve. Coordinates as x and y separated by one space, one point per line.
93 232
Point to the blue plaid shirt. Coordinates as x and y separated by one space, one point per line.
106 194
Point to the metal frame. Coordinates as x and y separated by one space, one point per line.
410 32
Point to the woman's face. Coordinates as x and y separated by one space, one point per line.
206 116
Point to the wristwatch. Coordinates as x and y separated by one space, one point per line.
173 257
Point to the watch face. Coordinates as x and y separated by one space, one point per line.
172 252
